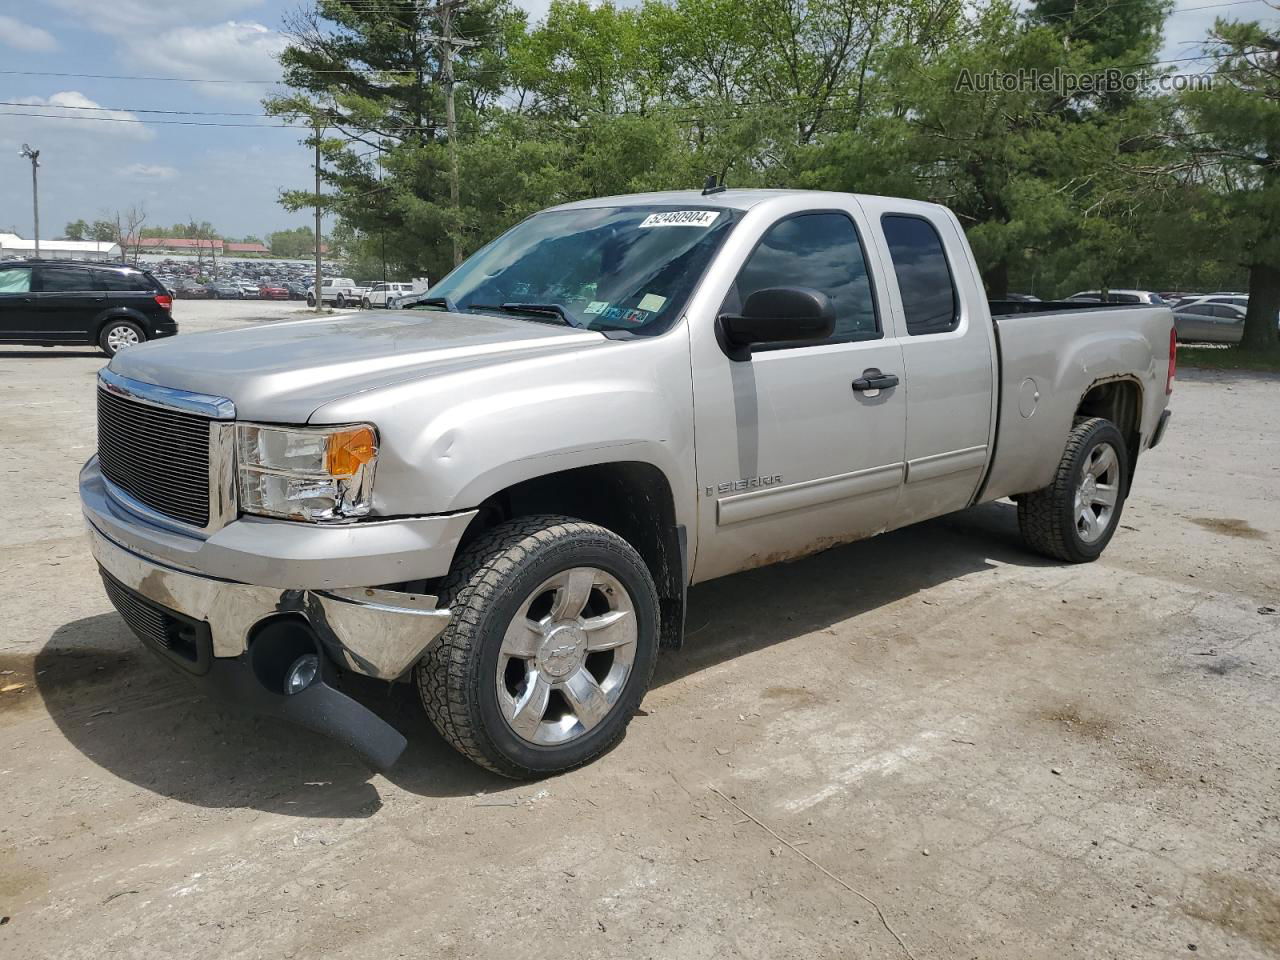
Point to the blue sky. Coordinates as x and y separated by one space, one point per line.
229 176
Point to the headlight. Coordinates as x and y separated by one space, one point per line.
306 473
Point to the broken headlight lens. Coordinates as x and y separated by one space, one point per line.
306 473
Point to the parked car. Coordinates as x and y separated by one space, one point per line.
386 294
1205 321
297 291
1118 296
66 302
1235 299
273 291
339 291
248 291
506 502
188 290
221 290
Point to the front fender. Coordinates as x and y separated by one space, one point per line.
450 441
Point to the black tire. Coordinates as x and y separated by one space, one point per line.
311 301
364 304
104 336
491 578
340 302
1048 518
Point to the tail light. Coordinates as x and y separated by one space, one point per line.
164 301
1173 361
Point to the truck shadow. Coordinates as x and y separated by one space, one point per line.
147 724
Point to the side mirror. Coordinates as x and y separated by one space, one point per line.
776 315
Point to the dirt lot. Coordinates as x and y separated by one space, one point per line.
1011 758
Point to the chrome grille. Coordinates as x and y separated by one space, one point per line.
160 457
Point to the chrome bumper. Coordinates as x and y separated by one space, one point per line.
379 633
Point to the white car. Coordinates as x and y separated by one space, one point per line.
339 291
386 294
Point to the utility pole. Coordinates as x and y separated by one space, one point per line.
319 280
34 157
448 42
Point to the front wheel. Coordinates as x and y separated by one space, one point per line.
1074 518
365 303
311 301
118 335
340 302
550 648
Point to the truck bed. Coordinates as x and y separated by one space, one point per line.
1050 355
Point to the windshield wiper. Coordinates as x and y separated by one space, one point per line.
540 309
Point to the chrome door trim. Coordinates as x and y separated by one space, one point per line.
945 464
808 493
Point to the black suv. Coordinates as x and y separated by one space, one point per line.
65 302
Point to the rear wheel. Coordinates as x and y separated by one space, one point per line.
311 300
340 302
118 335
550 649
1074 518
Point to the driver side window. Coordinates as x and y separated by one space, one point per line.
821 251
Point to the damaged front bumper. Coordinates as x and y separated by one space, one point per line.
186 619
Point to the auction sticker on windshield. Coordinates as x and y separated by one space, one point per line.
681 218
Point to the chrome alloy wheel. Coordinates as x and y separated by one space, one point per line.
120 337
566 656
1097 493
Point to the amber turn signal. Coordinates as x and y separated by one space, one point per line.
349 450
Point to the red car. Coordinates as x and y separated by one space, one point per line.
273 291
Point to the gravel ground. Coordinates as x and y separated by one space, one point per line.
933 744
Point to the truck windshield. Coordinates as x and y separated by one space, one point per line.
600 268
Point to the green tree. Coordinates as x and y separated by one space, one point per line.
1233 137
294 244
76 230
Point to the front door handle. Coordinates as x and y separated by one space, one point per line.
873 379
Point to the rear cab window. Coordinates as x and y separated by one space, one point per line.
925 283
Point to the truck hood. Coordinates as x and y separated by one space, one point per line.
282 372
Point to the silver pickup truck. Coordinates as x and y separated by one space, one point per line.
503 494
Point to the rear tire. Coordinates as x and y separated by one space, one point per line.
1074 518
340 302
550 649
117 335
311 301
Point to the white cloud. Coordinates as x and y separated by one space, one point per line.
74 112
147 171
122 17
230 51
23 36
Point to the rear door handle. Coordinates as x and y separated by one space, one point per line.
873 379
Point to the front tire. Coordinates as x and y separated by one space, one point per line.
1074 518
118 335
550 649
365 303
341 302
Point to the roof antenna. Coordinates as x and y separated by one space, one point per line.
709 186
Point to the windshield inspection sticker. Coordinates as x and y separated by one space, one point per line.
681 218
597 306
651 302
